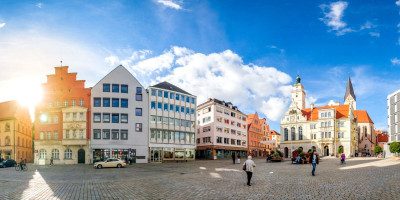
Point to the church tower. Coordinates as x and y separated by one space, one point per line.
349 96
298 95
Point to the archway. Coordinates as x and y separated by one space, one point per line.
326 151
81 156
286 152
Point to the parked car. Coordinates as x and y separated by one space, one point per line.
111 162
7 163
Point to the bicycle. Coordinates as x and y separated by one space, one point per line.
18 167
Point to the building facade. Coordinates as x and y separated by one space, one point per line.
255 135
62 120
325 129
393 107
267 143
120 118
172 123
276 140
221 130
15 132
365 133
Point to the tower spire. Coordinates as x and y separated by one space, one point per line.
349 90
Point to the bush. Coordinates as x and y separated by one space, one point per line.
394 147
377 149
278 153
340 150
299 150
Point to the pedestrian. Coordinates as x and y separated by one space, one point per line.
248 166
314 162
233 157
21 164
126 159
343 159
51 161
238 157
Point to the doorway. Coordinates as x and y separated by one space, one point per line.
81 156
326 151
156 155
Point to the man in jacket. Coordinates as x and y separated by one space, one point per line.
314 162
249 169
233 157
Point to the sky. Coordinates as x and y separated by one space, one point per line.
245 52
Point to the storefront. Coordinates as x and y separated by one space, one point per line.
103 154
158 154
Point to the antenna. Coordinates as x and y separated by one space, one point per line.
61 62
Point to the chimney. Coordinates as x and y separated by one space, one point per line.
312 106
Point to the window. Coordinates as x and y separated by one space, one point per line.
106 87
42 154
171 95
159 120
138 112
165 107
165 120
172 121
226 140
55 119
219 139
138 127
115 102
206 129
7 140
153 92
159 93
206 139
124 134
97 134
187 99
106 117
139 97
300 133
96 117
171 107
115 134
55 135
198 140
182 98
55 154
233 114
187 111
73 102
286 134
115 88
115 118
50 104
106 134
182 109
219 109
159 105
177 97
153 105
124 118
233 141
193 101
124 103
65 103
165 94
96 102
74 115
192 111
81 134
106 102
81 102
67 134
176 108
124 88
68 154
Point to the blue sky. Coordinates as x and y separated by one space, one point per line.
247 52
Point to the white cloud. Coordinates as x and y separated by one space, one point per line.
2 25
398 3
374 34
333 18
223 76
170 4
39 5
395 61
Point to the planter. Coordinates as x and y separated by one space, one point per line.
396 158
379 156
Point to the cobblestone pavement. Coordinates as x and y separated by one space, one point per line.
360 178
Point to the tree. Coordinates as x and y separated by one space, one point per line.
394 147
340 150
377 149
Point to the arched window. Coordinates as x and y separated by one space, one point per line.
286 134
359 134
68 154
7 141
7 129
55 154
293 133
42 154
365 131
300 133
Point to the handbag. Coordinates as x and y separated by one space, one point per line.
244 167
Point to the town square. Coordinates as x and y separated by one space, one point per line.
202 99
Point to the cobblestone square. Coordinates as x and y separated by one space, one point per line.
360 178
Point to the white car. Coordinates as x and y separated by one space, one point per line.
111 162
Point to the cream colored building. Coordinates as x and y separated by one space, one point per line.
323 128
276 139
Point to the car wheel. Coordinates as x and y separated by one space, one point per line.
99 166
119 165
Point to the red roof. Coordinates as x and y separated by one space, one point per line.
274 133
383 138
8 109
362 116
342 111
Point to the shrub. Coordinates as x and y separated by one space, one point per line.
309 151
340 150
377 149
394 147
278 153
299 150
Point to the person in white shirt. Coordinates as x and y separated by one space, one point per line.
249 169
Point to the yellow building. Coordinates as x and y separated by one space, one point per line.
15 132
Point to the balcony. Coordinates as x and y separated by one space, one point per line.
75 142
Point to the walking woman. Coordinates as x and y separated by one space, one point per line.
314 162
249 165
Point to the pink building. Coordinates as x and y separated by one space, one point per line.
221 130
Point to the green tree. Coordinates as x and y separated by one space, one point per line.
340 150
377 149
394 147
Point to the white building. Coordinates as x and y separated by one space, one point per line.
393 107
172 123
221 130
120 117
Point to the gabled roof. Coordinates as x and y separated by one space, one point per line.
168 86
274 133
383 138
342 111
349 90
362 116
8 109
